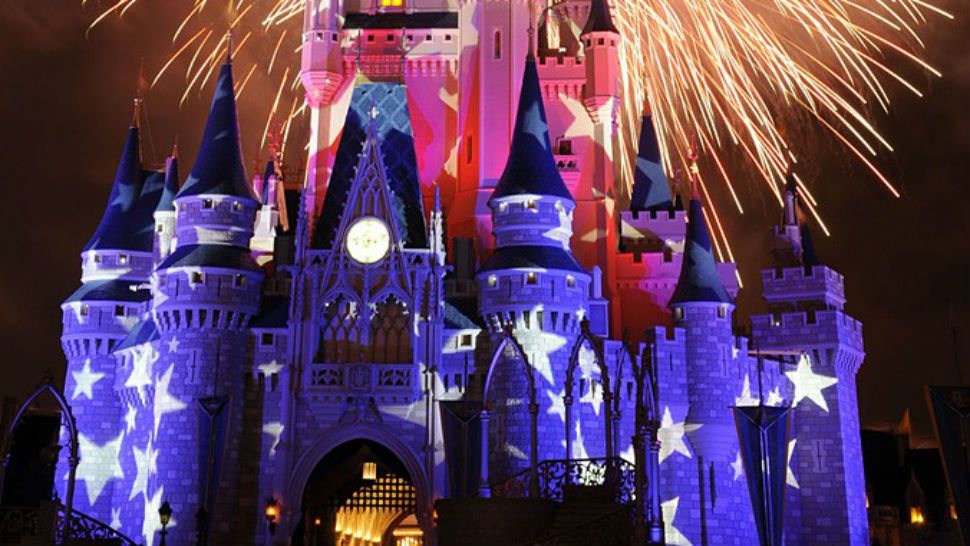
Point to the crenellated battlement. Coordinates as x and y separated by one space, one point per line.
795 287
115 264
807 329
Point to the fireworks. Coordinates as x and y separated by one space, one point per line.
721 75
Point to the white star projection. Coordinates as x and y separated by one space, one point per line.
671 436
557 406
145 464
165 402
672 534
142 359
173 344
275 430
746 399
150 524
738 467
774 397
515 452
270 368
115 518
809 385
84 381
99 464
790 478
130 419
579 445
629 454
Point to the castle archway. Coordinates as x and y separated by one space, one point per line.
335 501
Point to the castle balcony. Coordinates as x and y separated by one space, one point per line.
654 228
362 378
568 166
791 285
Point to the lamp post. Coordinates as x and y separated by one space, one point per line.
272 514
164 516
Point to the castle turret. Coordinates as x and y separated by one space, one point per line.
806 302
207 292
165 211
322 74
268 215
116 263
595 194
531 281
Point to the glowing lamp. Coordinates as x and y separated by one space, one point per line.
316 522
916 515
272 514
164 517
370 471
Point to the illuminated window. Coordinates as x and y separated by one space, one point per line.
530 205
239 281
196 277
207 203
916 515
237 206
159 228
531 278
953 511
85 309
122 258
466 340
722 311
678 313
392 3
570 281
492 281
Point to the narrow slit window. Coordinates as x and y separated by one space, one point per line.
497 46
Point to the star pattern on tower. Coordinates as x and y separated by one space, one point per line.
85 380
274 430
672 535
131 417
164 402
671 436
270 368
809 384
150 524
557 406
774 397
746 399
141 361
99 464
790 477
115 518
173 344
737 466
145 466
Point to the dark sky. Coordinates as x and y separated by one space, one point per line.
65 101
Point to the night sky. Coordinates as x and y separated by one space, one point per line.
65 103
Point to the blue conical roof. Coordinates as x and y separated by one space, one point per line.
699 280
167 201
142 226
114 231
599 19
218 168
651 189
531 168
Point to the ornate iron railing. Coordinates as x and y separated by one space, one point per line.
555 477
612 528
49 522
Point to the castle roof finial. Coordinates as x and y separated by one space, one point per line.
136 113
532 31
229 45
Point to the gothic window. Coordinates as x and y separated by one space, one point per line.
390 339
338 342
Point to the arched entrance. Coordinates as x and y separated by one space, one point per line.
360 493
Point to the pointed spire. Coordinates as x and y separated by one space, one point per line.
269 183
651 189
167 202
531 168
113 231
600 19
699 279
218 168
229 46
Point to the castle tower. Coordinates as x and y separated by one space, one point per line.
703 308
207 292
806 303
533 282
165 211
595 221
268 216
322 74
116 264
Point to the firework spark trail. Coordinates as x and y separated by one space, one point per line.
722 73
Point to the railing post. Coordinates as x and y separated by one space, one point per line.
567 402
608 425
655 520
483 489
534 450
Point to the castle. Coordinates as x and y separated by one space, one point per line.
242 347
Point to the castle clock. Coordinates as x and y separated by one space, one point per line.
368 240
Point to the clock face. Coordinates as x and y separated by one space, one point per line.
368 240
